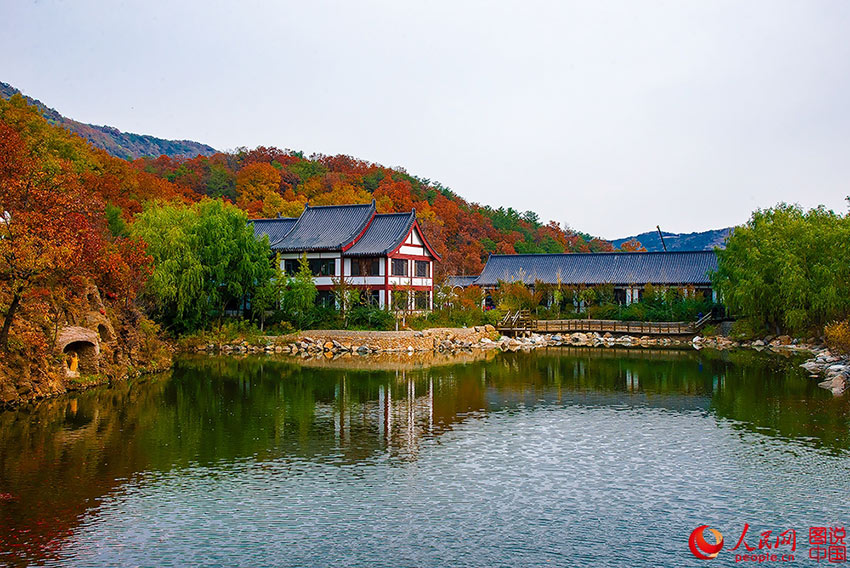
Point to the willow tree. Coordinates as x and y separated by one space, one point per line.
787 269
205 259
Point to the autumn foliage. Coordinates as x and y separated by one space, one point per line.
54 233
266 182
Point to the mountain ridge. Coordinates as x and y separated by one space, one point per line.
126 145
700 240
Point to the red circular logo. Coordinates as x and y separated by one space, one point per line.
700 547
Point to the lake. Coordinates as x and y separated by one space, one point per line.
556 457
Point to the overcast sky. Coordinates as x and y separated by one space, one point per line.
610 117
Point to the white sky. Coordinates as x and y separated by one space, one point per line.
610 117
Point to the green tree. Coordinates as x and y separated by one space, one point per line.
787 268
221 183
205 259
269 296
299 298
115 222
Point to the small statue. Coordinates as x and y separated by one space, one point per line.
74 362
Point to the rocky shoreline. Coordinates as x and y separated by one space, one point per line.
835 369
479 337
335 344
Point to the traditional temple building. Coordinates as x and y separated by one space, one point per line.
628 272
385 256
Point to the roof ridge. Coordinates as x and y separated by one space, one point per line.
344 205
400 221
273 219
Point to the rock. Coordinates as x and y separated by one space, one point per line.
839 385
758 343
578 338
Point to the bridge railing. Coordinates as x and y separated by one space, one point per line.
616 326
703 321
518 321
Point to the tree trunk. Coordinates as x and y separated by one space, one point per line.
7 322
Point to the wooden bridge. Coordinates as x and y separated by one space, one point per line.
522 321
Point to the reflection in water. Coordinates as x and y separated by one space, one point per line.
61 458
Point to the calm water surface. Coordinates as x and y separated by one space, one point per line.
563 457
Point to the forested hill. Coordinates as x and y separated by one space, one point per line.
266 182
705 240
121 144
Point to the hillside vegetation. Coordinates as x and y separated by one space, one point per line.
65 259
267 182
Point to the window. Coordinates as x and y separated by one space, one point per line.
325 298
365 267
399 267
290 266
322 266
421 300
318 266
423 268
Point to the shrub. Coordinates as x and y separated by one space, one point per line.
370 317
746 329
837 335
709 331
231 331
517 296
280 328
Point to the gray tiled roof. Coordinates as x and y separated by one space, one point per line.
276 229
328 227
462 281
679 267
384 234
